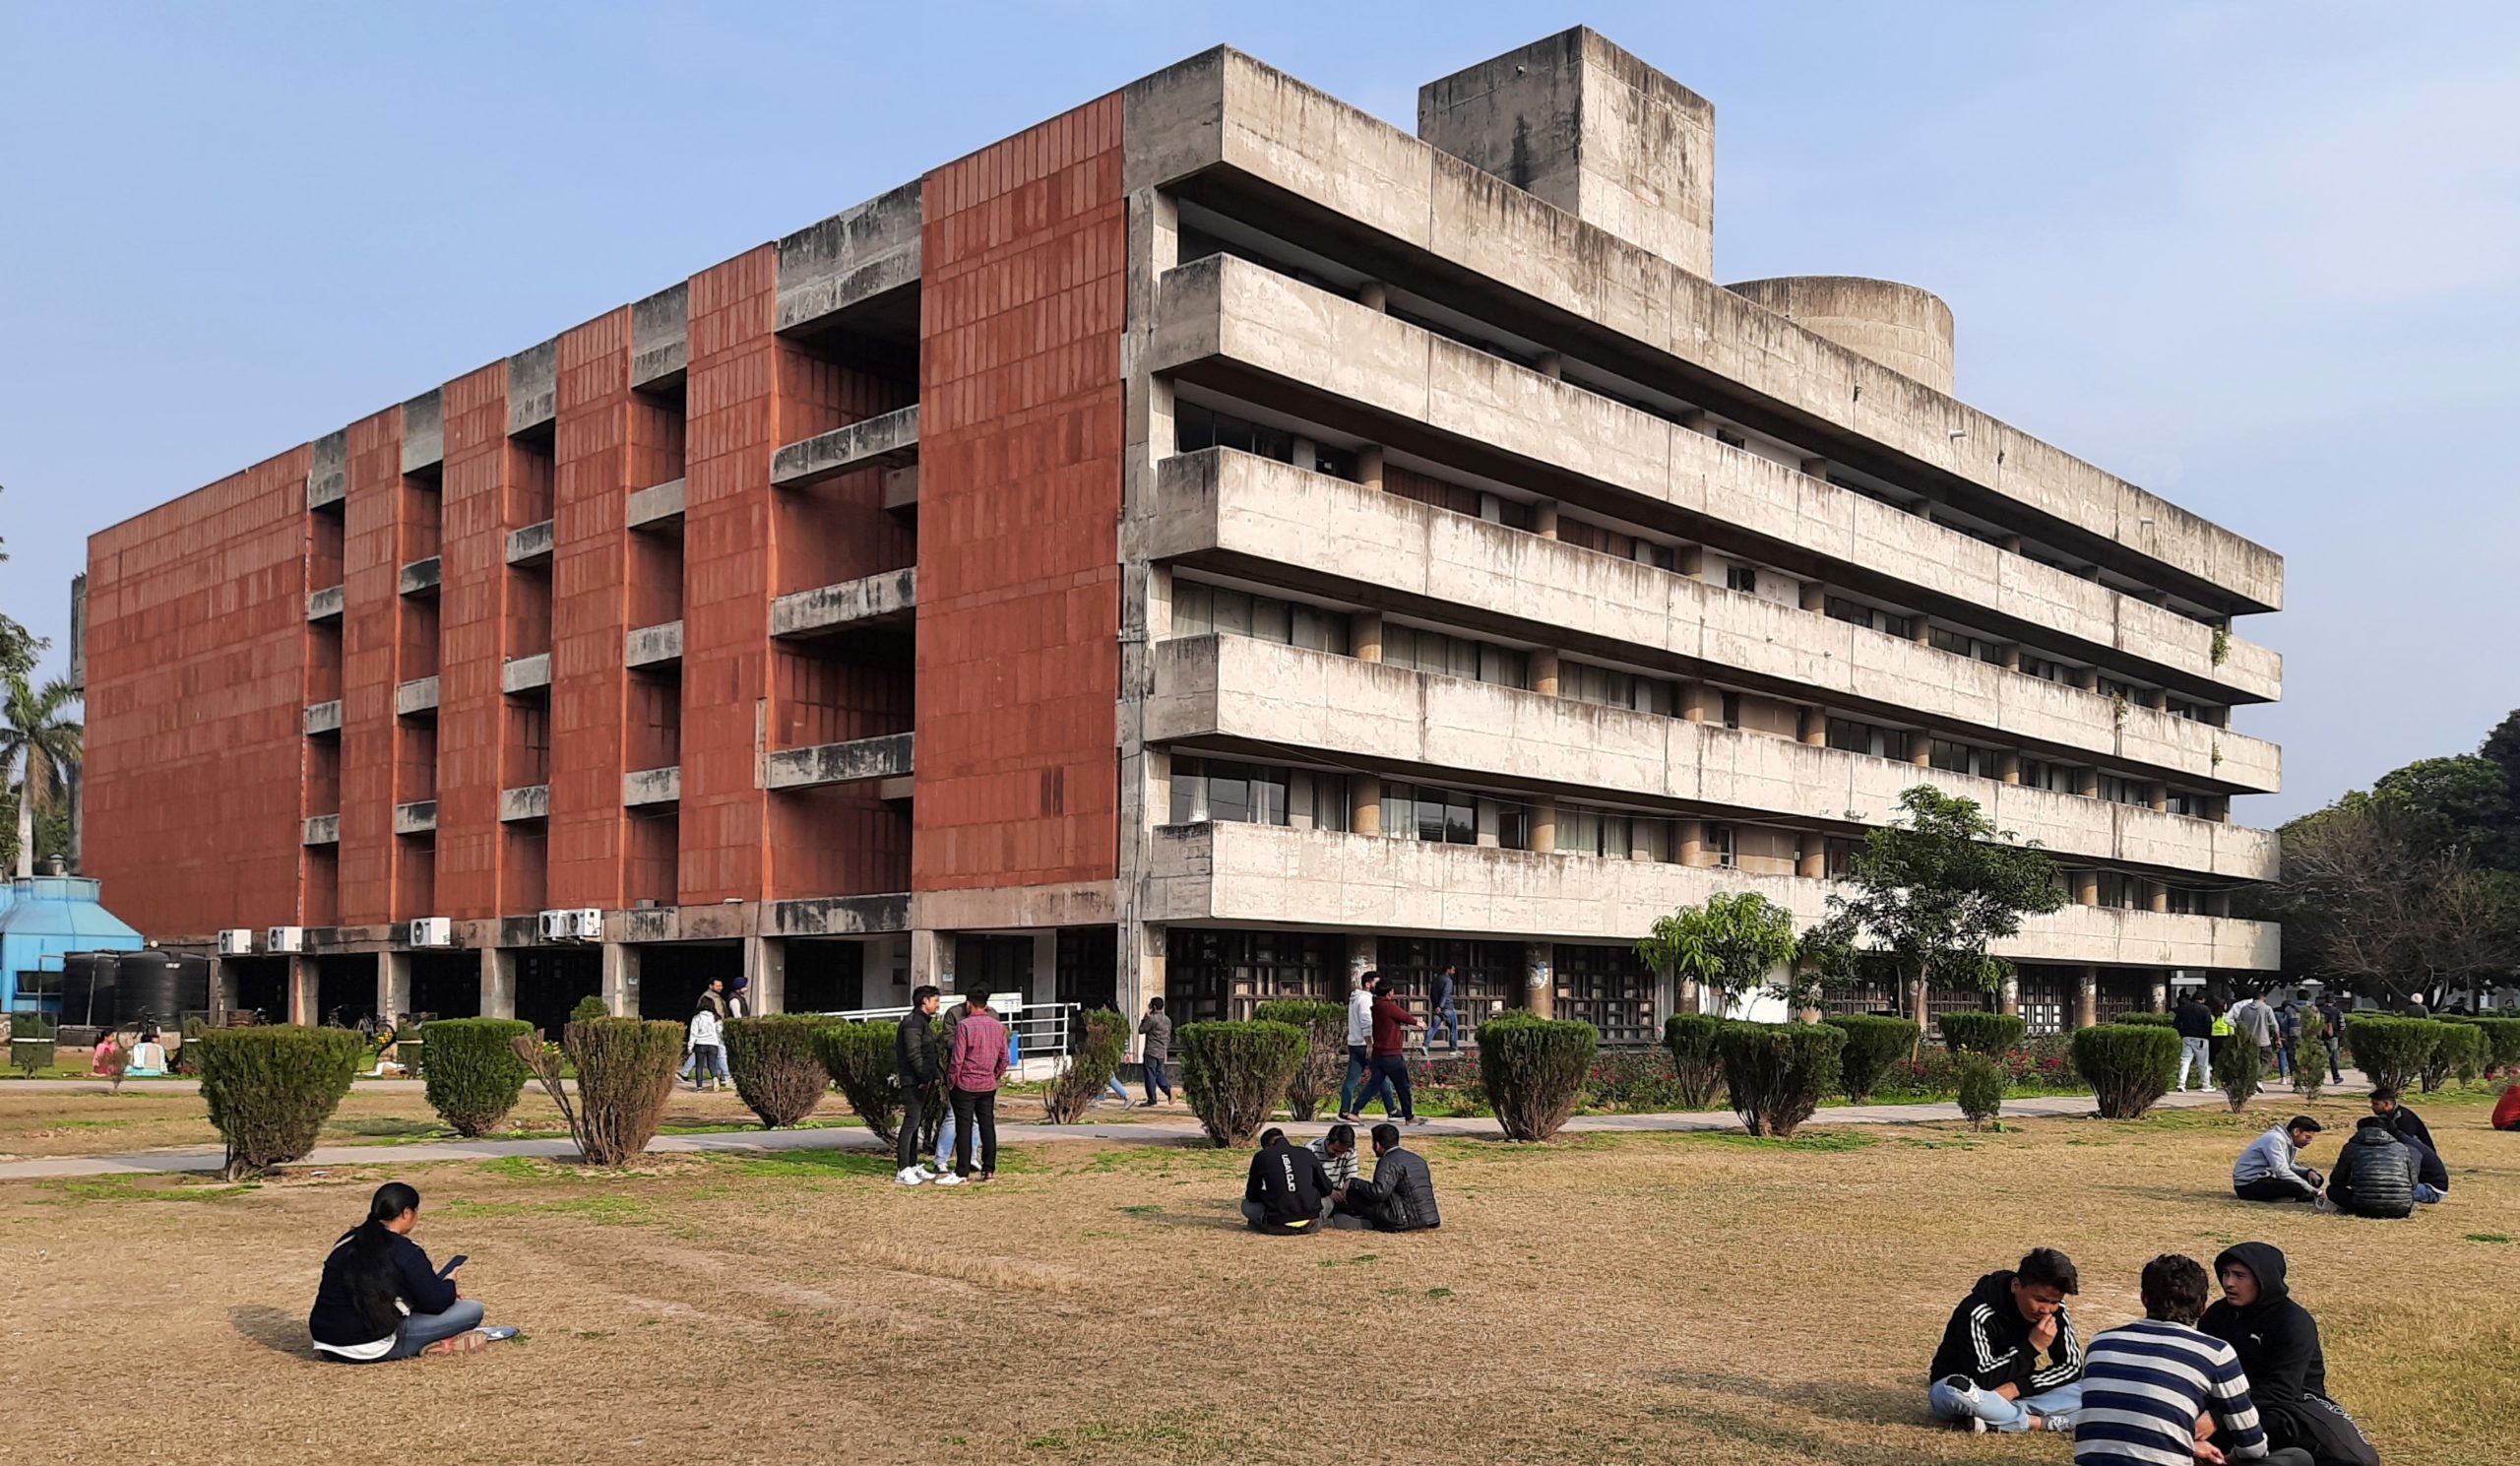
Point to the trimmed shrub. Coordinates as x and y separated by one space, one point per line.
858 1057
1697 1058
1976 1031
1873 1046
2157 1020
1233 1074
1778 1071
1325 1058
270 1089
32 1056
589 1009
2459 1053
1982 1089
1100 1045
2309 1073
625 1076
2501 1042
2391 1050
474 1075
2129 1065
778 1073
2236 1070
1533 1070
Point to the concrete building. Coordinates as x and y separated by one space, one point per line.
1209 542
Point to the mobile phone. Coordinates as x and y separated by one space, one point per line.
454 1263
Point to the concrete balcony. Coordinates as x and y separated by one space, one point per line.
854 762
526 674
533 386
322 829
324 604
323 718
661 338
1241 694
853 263
653 646
416 819
1256 517
534 801
887 441
1252 329
1241 874
425 431
417 696
654 507
646 786
888 597
423 577
530 545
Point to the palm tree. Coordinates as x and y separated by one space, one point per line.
43 745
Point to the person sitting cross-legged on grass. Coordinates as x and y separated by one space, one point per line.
2009 1360
2267 1169
2404 1123
2375 1176
1338 1153
2154 1390
2506 1111
1400 1198
1286 1193
380 1298
2278 1344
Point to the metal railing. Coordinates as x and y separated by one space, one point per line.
1041 1031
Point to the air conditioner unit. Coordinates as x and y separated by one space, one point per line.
585 924
284 939
558 926
237 941
431 931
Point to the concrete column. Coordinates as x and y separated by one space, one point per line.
2087 784
2009 767
1544 826
1044 986
1550 366
1142 968
1545 518
1370 465
621 978
2086 888
1364 635
2008 997
1811 859
2087 997
1815 468
301 990
1372 295
1490 815
2157 894
225 987
931 959
2157 794
1692 839
1920 629
393 985
1365 804
1364 954
2086 678
1815 596
2218 903
1815 728
2160 992
1700 703
1694 419
498 982
2012 658
1544 672
1540 979
766 964
1692 561
1919 747
2010 543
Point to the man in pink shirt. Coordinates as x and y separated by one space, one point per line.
972 1074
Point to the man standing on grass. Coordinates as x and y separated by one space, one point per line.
915 1065
2156 1389
1361 1035
2009 1360
978 1064
2268 1171
2196 1025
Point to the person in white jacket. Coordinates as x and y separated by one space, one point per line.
707 1046
2268 1171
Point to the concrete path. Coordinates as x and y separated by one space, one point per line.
1170 1126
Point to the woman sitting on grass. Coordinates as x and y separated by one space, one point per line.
381 1300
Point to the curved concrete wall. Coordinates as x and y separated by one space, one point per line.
1905 328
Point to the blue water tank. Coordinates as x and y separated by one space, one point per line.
47 917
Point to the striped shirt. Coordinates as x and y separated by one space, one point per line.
2145 1384
1339 1168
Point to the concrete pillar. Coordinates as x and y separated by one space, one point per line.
766 964
1364 954
2087 784
1919 747
2157 894
1544 826
1694 419
2160 992
301 990
2012 658
1142 968
224 985
2157 794
1372 295
621 978
2008 997
2086 887
1692 561
1544 672
1811 859
1365 804
1692 839
1364 635
1815 728
1370 465
1545 518
931 959
2085 678
1303 453
2087 997
1490 815
2009 767
498 982
1815 468
1920 629
2010 543
1550 366
1540 979
1700 703
2218 903
1044 986
1815 596
393 985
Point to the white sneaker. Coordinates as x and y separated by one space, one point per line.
908 1175
948 1180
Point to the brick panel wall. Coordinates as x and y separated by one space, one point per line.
1022 302
473 615
196 667
590 614
373 658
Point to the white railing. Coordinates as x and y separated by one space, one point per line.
1039 1030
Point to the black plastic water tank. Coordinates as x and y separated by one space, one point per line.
152 984
87 981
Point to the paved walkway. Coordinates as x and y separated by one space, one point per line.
1168 1128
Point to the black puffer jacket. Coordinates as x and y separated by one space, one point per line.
2374 1175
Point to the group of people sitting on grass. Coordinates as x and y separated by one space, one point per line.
2384 1169
1295 1190
2242 1379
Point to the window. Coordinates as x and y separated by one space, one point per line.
1730 439
2181 709
1420 650
2064 779
2111 687
1842 858
1720 839
1196 425
1732 710
1742 578
1951 758
1221 791
1203 609
2184 804
1582 681
1851 736
1440 816
2119 790
2044 669
1514 828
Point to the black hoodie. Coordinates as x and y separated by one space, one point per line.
2276 1338
1988 1341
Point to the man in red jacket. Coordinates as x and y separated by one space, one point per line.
1389 1065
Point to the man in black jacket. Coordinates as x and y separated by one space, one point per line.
915 1060
2278 1342
1400 1198
2196 1025
1287 1194
2009 1360
2374 1175
2404 1123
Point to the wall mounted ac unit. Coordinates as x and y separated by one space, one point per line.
585 924
237 941
558 926
284 939
431 931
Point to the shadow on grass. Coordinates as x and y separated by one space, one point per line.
275 1329
1784 1442
1861 1404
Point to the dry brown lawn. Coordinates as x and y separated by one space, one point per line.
1638 1298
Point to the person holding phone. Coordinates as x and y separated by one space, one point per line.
381 1300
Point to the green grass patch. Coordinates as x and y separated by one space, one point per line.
133 1188
1822 1140
1362 1260
607 1211
2488 1236
817 1163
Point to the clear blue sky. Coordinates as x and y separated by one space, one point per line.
2263 258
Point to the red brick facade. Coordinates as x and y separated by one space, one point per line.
587 751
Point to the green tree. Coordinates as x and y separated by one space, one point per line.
1730 944
2374 900
42 743
2463 802
1933 889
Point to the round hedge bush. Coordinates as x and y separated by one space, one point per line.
2129 1065
2392 1051
1778 1071
625 1076
2157 1020
1233 1074
1973 1031
858 1057
1325 1059
1982 1089
271 1088
779 1073
1697 1056
474 1076
1534 1071
1100 1046
1873 1044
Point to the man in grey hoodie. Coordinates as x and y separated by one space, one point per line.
2265 1171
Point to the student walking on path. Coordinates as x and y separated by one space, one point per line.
1360 1038
1156 1029
1390 1057
1441 1014
978 1064
2196 1025
707 1046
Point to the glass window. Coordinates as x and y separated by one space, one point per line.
1229 793
1460 821
1742 578
1268 797
1232 611
1503 666
1189 791
1721 837
1732 710
1654 839
1273 620
1399 811
1193 608
1951 758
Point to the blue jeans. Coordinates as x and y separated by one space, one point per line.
945 1138
1391 1073
1956 1398
1357 1066
420 1330
2192 1052
1448 1019
1155 1076
716 1062
2429 1195
1116 1090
